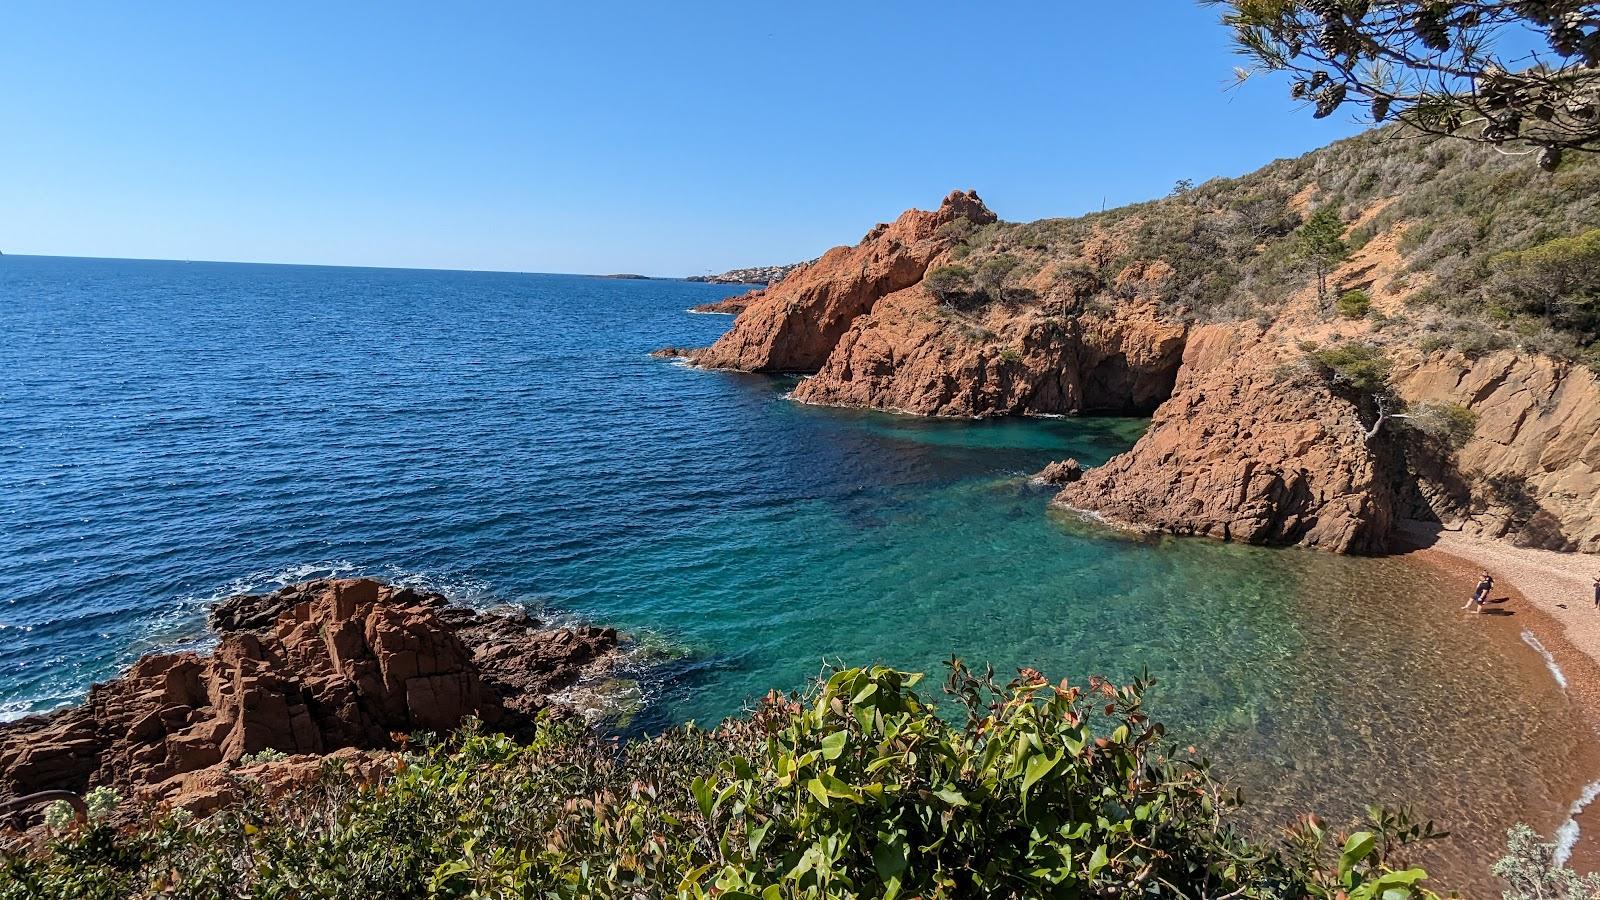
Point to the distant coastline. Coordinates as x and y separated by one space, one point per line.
758 275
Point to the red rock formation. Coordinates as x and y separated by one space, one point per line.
1090 317
1063 471
913 355
732 306
1531 471
1243 451
794 325
311 669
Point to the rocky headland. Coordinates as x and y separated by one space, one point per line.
347 668
1279 417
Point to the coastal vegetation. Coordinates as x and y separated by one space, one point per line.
1488 256
860 787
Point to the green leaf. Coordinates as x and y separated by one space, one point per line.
757 834
1356 848
889 858
839 789
1392 886
833 745
818 790
702 795
1097 860
1038 767
951 796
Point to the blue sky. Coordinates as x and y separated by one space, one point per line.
660 138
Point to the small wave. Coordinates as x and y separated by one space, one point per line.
182 626
1567 834
1549 658
12 710
708 312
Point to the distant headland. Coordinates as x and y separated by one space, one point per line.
752 275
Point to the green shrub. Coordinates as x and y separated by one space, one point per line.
1354 303
990 278
268 755
949 282
1529 868
1557 281
1364 367
1451 423
857 789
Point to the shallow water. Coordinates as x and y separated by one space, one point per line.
171 432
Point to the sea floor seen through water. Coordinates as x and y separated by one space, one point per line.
172 433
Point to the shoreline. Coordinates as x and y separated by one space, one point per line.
1549 594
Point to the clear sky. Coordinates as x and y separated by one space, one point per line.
660 138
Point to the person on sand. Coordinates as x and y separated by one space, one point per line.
1597 592
1485 585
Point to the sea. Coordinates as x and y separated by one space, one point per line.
176 432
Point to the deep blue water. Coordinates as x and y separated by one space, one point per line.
175 432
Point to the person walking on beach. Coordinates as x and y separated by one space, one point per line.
1597 592
1485 585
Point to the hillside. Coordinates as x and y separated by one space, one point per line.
1465 306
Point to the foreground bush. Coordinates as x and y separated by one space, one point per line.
857 789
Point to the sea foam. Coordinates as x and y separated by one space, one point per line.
1567 834
1549 658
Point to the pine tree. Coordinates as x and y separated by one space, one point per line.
1320 242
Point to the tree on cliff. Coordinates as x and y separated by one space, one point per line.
1505 72
1320 242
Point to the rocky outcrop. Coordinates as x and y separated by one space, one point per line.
732 306
1247 451
794 325
914 354
311 669
1060 472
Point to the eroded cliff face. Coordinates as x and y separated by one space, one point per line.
1531 472
794 325
1250 448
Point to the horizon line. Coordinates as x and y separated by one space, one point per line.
251 262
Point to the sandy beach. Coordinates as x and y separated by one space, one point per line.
1550 596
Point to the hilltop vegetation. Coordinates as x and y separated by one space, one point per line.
1479 251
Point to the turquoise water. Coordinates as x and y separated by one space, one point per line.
171 433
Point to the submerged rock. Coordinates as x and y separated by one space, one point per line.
349 664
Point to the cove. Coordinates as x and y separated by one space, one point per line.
175 433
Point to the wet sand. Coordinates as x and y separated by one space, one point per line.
1547 598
